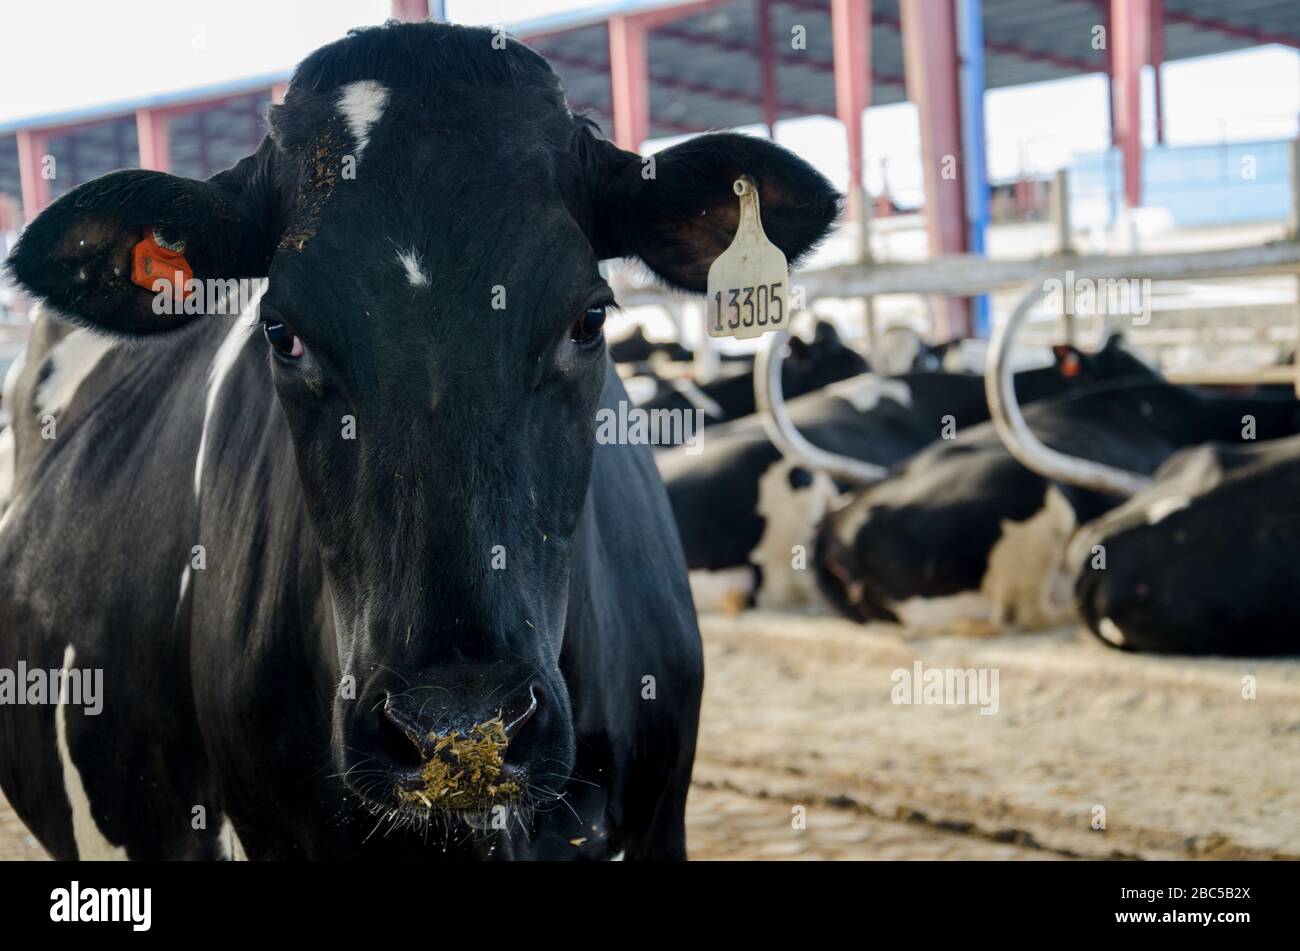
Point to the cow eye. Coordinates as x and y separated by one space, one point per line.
282 338
587 328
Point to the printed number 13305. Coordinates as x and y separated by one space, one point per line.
735 310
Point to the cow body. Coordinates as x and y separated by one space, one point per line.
964 536
360 576
238 715
810 367
1201 562
741 507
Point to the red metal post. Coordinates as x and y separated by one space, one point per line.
851 42
1158 64
629 82
33 145
153 144
930 61
1130 32
1110 71
767 60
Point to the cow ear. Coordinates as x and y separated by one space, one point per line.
107 253
677 212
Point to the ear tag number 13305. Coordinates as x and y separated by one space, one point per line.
748 282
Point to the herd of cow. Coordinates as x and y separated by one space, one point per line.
960 535
354 570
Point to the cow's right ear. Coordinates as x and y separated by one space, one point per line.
95 253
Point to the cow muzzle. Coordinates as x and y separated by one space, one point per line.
436 749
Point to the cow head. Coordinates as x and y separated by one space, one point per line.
430 216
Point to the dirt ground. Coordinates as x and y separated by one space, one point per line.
803 754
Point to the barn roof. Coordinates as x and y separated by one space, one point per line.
705 66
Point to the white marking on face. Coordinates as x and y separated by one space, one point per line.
1109 630
864 392
790 518
91 843
1161 509
362 104
222 362
410 262
617 857
71 360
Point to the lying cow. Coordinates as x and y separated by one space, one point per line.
1202 562
357 576
636 347
964 536
742 509
809 367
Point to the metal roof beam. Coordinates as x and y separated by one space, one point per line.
686 85
785 59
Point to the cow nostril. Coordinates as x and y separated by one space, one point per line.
400 736
513 727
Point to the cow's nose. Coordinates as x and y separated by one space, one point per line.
410 731
400 723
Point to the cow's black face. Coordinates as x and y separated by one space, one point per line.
430 216
434 334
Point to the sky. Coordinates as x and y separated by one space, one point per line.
96 51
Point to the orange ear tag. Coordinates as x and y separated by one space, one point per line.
154 260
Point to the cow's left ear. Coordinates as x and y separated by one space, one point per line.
677 212
93 253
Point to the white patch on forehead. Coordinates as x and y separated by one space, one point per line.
362 104
70 362
1109 630
415 274
91 843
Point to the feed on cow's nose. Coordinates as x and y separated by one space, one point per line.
463 772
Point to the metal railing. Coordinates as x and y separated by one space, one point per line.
966 275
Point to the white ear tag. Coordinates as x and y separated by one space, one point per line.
749 282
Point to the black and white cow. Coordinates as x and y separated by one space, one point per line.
965 537
360 579
741 507
811 366
1203 561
